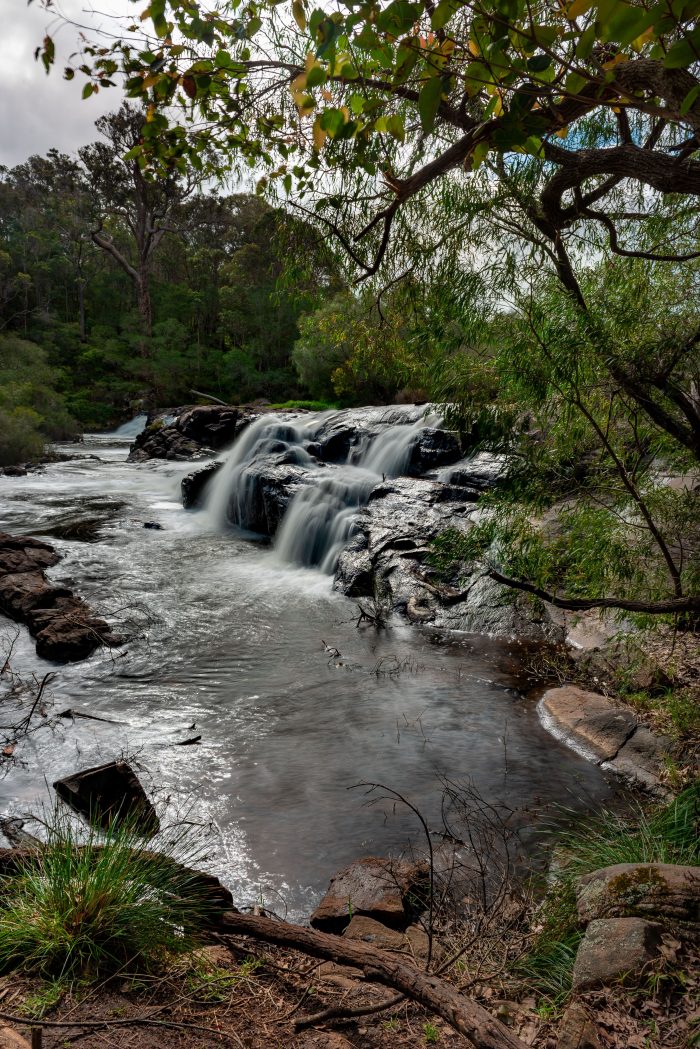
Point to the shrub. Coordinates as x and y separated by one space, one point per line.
87 907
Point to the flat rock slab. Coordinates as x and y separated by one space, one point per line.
614 949
589 719
375 887
108 794
65 628
607 733
663 890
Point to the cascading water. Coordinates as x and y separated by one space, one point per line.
130 429
321 516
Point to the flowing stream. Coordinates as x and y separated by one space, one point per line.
236 650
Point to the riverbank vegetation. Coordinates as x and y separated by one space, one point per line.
110 934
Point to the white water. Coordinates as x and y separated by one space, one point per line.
130 429
321 517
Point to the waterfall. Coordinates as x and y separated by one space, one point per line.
231 489
130 429
321 516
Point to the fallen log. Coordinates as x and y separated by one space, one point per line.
482 1030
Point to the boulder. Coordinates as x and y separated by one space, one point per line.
387 890
190 432
614 949
20 553
109 794
589 719
432 449
414 941
660 890
192 486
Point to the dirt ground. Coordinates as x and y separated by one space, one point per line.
245 996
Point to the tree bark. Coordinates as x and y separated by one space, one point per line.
481 1030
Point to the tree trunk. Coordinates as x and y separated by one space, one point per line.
481 1030
143 294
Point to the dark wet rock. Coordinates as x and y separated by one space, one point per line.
64 627
384 889
193 486
613 949
389 557
14 471
433 449
264 492
109 794
154 526
192 432
657 890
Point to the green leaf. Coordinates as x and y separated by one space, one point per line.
443 13
689 100
398 17
88 89
429 102
684 52
316 76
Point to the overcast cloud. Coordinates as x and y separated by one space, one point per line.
38 112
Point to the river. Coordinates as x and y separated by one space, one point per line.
234 650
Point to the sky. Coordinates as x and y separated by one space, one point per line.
38 112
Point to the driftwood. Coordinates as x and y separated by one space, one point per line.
482 1030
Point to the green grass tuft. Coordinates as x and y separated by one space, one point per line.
86 906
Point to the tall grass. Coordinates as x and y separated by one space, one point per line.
665 834
89 903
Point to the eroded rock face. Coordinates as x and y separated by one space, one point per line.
190 432
375 888
388 557
613 949
65 628
659 890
